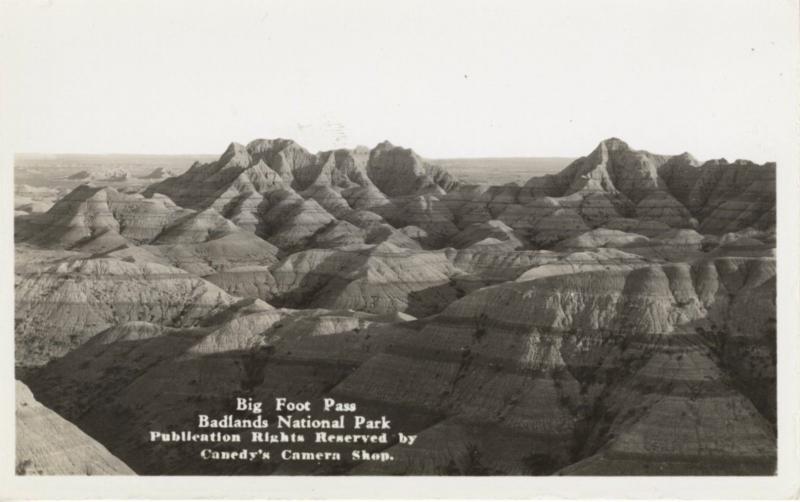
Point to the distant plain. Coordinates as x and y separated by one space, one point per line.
53 170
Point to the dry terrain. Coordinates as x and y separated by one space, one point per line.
608 315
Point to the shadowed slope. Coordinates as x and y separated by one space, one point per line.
49 445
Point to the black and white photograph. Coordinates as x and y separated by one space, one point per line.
492 241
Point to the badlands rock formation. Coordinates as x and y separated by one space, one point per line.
48 444
381 278
617 317
60 306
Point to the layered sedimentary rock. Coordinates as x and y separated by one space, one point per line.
381 278
574 262
399 171
617 317
231 250
590 373
677 416
648 228
100 218
285 194
602 237
677 190
103 221
577 366
428 213
59 307
492 229
289 221
258 351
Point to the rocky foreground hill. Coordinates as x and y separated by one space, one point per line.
48 444
615 318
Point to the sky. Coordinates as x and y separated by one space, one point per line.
447 78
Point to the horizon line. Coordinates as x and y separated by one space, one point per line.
218 155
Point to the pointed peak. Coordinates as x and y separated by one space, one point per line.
235 156
233 149
614 144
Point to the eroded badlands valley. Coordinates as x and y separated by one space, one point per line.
614 318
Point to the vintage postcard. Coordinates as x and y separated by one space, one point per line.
442 249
